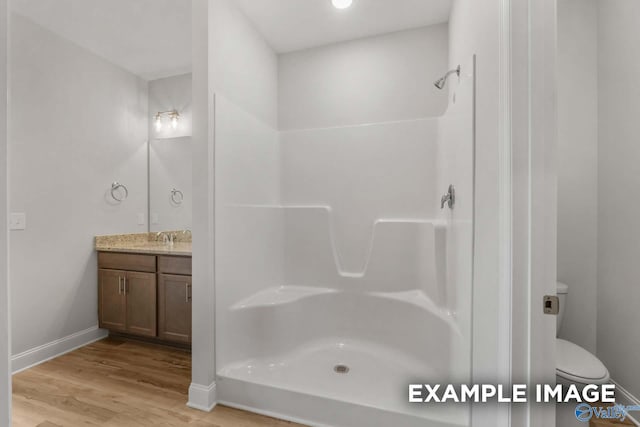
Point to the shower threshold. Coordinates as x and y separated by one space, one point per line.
336 384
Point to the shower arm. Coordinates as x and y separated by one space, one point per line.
443 80
454 71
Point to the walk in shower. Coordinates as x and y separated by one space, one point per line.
341 278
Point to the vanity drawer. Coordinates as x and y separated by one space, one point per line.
128 262
174 265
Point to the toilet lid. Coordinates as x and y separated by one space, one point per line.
576 364
562 288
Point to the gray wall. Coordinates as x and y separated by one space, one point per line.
598 179
578 171
619 187
5 381
78 123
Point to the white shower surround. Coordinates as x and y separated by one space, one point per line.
331 249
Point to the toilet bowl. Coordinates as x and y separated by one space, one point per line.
574 365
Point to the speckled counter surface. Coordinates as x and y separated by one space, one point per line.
143 243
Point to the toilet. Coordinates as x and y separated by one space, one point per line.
574 365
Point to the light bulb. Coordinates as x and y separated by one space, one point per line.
158 123
341 4
174 122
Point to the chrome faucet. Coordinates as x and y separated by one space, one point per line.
449 198
167 238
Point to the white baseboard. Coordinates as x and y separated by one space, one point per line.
202 397
35 356
623 397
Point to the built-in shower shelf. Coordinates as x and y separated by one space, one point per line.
280 295
418 298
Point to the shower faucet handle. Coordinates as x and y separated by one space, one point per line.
449 198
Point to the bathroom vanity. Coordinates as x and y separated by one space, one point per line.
144 288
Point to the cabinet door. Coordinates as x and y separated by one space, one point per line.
140 290
174 306
111 300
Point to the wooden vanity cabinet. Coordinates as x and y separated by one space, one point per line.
145 295
112 304
174 308
174 299
141 296
127 293
127 301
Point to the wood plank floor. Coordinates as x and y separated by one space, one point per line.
118 383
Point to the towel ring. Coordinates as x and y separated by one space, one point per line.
177 196
114 191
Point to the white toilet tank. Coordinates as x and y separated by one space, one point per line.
562 291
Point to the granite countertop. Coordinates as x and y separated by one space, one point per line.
144 243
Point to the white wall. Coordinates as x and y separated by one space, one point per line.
5 368
348 83
619 207
202 393
340 168
243 68
474 28
170 154
578 171
325 93
241 73
455 166
514 43
78 123
248 241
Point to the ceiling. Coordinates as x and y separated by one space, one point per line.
290 25
150 38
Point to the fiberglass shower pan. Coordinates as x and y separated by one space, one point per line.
339 279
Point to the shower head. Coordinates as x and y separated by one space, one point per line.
441 82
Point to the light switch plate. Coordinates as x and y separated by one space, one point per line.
154 218
18 221
141 219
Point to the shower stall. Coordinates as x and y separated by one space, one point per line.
340 277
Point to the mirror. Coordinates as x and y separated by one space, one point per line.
170 153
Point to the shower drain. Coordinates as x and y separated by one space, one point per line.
341 369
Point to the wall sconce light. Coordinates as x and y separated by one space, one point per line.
172 115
